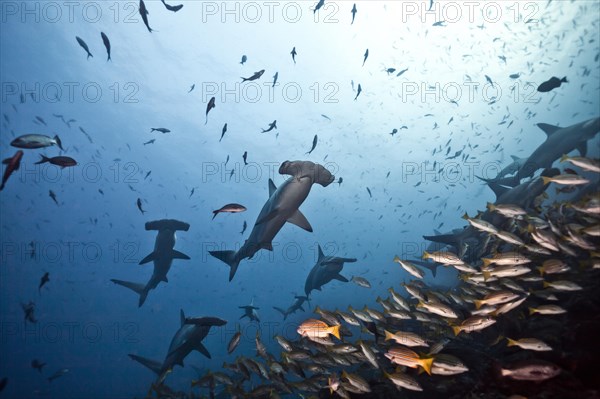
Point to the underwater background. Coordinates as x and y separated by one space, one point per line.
457 94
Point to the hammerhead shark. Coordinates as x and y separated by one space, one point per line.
162 256
326 269
559 141
282 206
294 307
188 338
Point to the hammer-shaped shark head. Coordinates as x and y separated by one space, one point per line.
317 173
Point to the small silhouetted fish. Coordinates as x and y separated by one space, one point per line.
150 141
244 227
139 205
53 196
100 191
227 160
256 76
244 59
61 161
84 46
160 129
28 309
390 70
45 278
209 106
489 80
294 53
106 44
394 132
326 117
58 374
42 121
319 5
358 92
245 156
172 8
439 23
339 182
36 364
275 78
514 76
223 131
353 13
231 208
144 13
192 88
147 174
369 191
401 72
314 144
551 84
192 192
272 126
12 164
366 56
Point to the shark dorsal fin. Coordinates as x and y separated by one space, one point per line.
321 256
514 158
272 187
182 316
548 129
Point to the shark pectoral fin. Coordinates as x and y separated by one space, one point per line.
272 188
582 148
340 278
179 255
268 216
202 349
148 258
300 220
151 364
548 129
165 279
301 308
497 189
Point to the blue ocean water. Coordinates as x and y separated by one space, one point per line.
455 95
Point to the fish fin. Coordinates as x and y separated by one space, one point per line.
151 364
564 80
202 349
58 142
335 331
486 276
456 330
267 245
140 289
511 342
268 216
546 180
582 148
514 157
426 364
478 303
182 316
179 255
388 335
548 129
272 187
497 188
321 256
229 258
44 159
301 308
531 311
150 257
300 220
340 278
280 310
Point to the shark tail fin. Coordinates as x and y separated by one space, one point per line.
564 80
281 311
140 289
151 364
229 258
